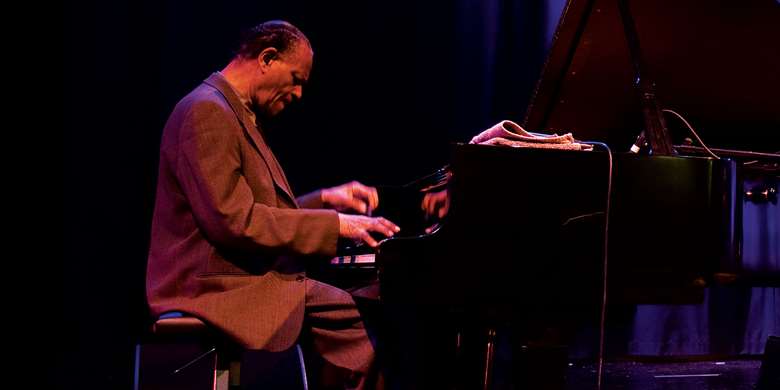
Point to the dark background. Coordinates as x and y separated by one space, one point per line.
393 84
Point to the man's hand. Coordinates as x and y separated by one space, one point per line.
358 227
352 196
435 204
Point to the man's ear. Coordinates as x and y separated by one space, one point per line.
267 56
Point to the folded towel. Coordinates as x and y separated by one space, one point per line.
508 133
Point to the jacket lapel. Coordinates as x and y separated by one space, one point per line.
250 129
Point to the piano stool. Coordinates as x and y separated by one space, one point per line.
183 352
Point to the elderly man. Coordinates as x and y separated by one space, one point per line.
229 240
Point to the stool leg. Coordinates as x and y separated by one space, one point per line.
303 367
489 352
222 379
137 367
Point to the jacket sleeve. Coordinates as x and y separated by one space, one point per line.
209 170
312 200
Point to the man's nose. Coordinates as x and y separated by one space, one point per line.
297 92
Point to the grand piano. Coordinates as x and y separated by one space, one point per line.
535 235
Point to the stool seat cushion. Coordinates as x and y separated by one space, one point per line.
179 325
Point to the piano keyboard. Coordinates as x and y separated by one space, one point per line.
357 260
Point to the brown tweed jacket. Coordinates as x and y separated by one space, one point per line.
228 237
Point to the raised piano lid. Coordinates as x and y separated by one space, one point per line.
714 62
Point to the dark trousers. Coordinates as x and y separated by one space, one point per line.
343 356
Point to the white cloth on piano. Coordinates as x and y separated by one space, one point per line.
508 133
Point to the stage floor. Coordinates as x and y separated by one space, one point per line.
700 375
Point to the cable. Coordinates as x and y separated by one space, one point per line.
572 219
693 132
602 323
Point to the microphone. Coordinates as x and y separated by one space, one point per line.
639 143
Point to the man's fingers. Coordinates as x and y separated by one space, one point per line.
389 225
368 239
373 200
378 227
359 228
430 204
444 209
431 228
368 196
435 204
426 203
358 205
382 226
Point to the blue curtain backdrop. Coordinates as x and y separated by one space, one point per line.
732 320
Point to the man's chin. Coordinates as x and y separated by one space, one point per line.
274 110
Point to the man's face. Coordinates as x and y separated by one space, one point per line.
283 81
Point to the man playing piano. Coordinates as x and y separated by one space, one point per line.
229 241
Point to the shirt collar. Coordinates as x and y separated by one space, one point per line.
244 101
